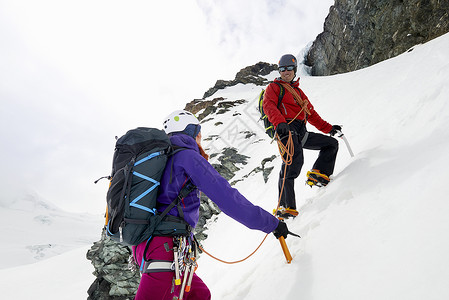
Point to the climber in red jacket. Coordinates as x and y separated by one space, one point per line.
291 115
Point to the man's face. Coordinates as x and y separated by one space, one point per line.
287 75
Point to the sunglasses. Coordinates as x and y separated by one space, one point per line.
289 68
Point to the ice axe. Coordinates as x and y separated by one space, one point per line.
342 136
288 256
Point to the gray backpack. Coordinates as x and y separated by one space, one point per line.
139 161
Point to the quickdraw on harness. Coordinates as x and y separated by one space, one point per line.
185 253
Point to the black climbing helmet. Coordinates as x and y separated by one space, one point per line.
288 60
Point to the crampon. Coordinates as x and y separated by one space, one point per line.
285 213
315 178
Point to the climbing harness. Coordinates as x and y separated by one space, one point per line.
190 266
184 263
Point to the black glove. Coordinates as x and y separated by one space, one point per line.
334 129
282 129
281 230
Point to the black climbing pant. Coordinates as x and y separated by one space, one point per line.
325 163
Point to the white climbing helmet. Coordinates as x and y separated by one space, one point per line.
178 120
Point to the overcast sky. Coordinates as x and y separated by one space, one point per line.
73 74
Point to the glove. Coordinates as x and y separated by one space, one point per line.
281 230
282 129
334 129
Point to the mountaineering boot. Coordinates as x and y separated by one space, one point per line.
285 213
314 177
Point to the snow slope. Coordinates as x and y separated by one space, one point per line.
33 229
378 231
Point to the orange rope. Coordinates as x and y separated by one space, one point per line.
287 149
237 261
303 103
287 152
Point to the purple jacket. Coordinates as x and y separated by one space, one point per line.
189 164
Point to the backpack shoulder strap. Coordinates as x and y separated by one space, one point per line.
171 151
281 93
186 189
175 149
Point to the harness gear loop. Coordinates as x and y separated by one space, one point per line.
156 266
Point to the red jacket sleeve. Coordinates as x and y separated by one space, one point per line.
315 119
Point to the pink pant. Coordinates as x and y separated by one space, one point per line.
158 286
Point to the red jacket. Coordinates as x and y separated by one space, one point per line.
288 108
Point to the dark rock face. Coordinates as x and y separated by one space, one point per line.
228 160
208 209
196 105
266 171
251 74
117 275
214 106
360 33
115 280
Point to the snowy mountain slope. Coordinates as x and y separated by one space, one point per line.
378 231
33 230
65 276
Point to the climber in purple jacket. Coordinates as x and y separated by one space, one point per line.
191 165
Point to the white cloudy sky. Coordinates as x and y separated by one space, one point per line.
73 74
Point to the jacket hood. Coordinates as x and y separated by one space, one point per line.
185 141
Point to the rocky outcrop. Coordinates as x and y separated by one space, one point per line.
216 105
360 33
115 280
228 159
252 74
208 209
266 170
117 276
196 105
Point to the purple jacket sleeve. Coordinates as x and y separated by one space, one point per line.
228 199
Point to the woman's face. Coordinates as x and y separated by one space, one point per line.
198 138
